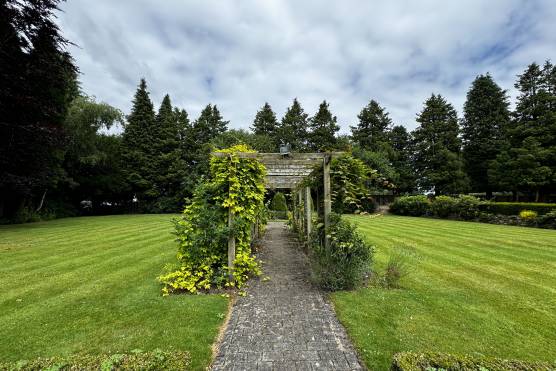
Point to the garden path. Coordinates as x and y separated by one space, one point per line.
284 323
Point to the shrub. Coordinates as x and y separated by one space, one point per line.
528 214
547 220
346 263
279 202
443 206
407 361
278 206
138 360
411 205
513 208
467 207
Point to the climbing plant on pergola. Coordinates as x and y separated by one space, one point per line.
287 171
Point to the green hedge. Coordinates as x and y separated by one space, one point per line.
438 361
513 208
156 360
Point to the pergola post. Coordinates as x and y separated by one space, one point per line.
231 246
308 216
327 199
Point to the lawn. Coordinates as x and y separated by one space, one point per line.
471 289
88 285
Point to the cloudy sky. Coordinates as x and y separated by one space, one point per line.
239 54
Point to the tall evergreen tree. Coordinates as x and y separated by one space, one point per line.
293 127
401 156
37 83
170 170
322 130
372 130
265 122
437 148
532 134
484 125
140 145
209 124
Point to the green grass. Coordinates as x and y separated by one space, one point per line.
88 285
472 289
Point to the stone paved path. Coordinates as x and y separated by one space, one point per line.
284 323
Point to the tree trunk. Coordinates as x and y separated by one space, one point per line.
42 202
488 195
537 194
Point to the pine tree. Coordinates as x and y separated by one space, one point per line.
484 126
372 130
437 148
323 128
209 125
170 164
265 122
532 134
139 146
400 142
293 127
37 84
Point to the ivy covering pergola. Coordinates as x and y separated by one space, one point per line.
287 171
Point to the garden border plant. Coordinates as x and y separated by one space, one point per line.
235 186
465 207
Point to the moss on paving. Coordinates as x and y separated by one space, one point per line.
88 285
472 288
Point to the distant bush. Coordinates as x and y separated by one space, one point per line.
468 207
155 360
346 263
547 220
513 208
438 361
278 202
528 214
411 205
443 206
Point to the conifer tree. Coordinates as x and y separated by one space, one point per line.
293 127
400 142
371 132
323 128
484 125
531 135
139 146
437 148
265 122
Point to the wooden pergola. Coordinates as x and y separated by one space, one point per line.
286 171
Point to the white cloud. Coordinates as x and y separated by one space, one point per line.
239 54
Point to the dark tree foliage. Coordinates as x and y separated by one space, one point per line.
401 142
484 125
266 124
371 132
437 148
529 162
322 130
171 170
140 139
233 137
293 128
38 81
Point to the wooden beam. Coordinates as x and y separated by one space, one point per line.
308 213
231 247
278 156
327 200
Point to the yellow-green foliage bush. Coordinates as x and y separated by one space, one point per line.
235 184
528 214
